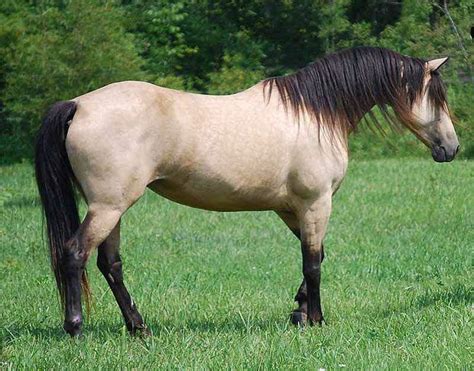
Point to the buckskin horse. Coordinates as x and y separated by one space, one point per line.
280 145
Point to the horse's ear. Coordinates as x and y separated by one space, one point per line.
434 64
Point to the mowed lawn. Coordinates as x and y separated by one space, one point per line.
217 289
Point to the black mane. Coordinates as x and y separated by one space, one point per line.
340 88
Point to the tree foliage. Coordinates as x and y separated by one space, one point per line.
58 49
56 52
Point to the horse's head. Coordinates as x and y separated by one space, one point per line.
430 111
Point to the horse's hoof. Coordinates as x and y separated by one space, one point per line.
141 331
73 327
318 322
299 318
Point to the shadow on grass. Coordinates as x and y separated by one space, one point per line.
55 332
228 325
457 294
23 201
105 329
13 332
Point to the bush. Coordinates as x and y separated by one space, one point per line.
62 53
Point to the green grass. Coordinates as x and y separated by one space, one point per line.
216 289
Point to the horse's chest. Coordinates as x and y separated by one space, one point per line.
315 176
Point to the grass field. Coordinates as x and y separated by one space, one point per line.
217 289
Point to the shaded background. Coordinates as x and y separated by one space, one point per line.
56 49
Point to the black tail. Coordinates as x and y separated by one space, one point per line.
55 181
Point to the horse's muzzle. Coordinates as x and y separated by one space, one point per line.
443 154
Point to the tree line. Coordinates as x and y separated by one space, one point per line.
57 49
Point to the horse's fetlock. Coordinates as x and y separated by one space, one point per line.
73 325
301 297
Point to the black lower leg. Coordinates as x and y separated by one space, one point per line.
72 268
111 268
299 315
312 275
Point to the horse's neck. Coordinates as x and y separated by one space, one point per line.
359 119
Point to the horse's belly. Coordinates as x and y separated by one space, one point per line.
217 197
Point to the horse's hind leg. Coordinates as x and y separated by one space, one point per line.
110 264
97 225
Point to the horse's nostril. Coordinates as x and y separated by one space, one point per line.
457 148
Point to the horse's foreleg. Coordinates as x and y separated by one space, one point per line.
110 264
299 315
313 223
96 226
